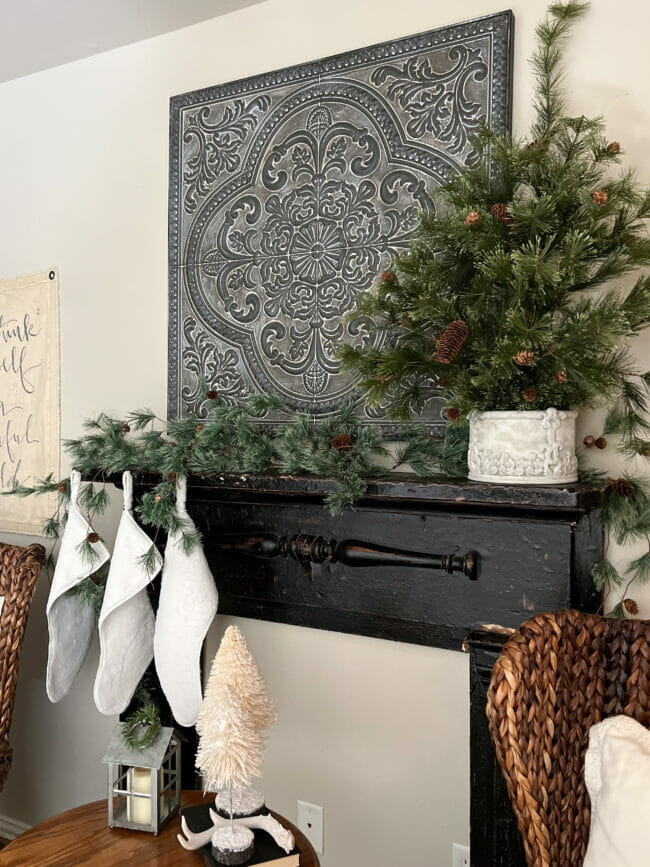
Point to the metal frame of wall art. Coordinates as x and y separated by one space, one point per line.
290 191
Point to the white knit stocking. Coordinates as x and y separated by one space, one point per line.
71 622
126 622
188 604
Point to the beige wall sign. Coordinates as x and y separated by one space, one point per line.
29 396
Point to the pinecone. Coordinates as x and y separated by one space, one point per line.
212 394
126 428
453 413
451 341
501 213
589 441
171 477
644 451
199 428
561 376
92 538
387 277
472 219
524 358
631 606
613 148
62 487
342 443
442 381
601 443
621 487
600 197
529 394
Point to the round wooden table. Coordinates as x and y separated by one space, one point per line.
82 836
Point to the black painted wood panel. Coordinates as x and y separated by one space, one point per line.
526 564
494 838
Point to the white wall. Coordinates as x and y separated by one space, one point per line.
375 731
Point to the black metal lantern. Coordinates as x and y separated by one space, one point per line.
144 785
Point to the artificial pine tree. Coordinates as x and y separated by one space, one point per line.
498 303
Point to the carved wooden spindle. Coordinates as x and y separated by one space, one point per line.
351 552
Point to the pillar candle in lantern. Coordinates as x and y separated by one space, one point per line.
139 780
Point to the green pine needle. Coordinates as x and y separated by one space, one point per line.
151 560
617 611
87 553
605 574
140 419
91 590
640 568
51 528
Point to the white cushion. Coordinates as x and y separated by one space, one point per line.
617 774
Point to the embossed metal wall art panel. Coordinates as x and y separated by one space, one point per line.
290 191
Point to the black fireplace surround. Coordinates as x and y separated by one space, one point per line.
456 565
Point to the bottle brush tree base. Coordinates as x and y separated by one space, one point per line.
232 845
530 447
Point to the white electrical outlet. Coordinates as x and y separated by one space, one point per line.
459 855
310 822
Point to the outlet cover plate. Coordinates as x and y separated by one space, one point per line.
459 855
310 822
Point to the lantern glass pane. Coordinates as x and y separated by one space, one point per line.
131 797
168 780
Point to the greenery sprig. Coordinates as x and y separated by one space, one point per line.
91 590
625 518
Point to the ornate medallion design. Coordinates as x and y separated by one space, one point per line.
290 191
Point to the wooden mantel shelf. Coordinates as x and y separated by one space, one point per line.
438 492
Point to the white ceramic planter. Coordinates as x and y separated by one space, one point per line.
535 447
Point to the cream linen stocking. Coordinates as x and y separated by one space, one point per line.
188 604
126 622
71 622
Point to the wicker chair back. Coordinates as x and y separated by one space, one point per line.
557 676
19 571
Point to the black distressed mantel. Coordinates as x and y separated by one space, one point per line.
534 549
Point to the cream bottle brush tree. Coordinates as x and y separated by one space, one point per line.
235 710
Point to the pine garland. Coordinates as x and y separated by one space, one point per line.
230 440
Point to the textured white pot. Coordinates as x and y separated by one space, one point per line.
533 447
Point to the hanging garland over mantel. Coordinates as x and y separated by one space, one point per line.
230 441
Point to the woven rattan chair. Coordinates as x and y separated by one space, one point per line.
557 676
19 571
